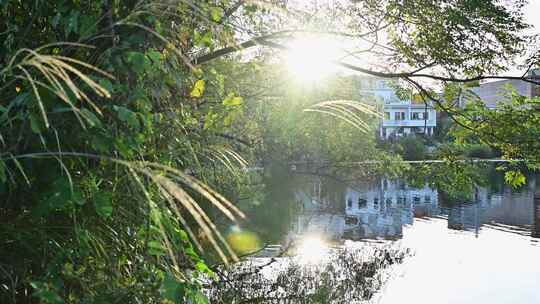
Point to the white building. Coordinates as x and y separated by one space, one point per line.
407 118
401 116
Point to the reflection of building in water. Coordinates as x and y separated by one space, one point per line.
382 210
507 209
331 226
511 207
464 217
319 213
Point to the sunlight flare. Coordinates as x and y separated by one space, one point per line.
312 250
311 58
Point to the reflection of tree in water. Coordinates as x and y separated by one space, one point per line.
347 275
271 219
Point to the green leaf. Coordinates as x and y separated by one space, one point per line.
35 124
123 148
199 298
3 176
126 115
203 40
215 14
77 196
137 61
202 267
183 236
60 195
45 293
92 119
198 89
155 248
207 39
155 56
210 120
171 288
232 100
515 178
106 84
103 204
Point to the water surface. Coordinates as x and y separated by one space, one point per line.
480 248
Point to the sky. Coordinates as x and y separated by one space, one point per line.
532 14
301 61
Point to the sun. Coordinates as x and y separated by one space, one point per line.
310 58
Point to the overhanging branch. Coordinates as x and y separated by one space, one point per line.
265 41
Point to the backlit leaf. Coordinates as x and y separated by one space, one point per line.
198 89
233 101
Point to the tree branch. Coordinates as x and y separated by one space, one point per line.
258 41
231 11
264 41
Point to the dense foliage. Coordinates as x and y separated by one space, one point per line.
96 98
126 125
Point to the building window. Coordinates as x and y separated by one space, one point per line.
351 221
399 115
349 202
419 116
361 203
387 115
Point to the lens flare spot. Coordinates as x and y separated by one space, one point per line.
243 241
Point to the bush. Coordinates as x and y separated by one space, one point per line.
479 151
413 148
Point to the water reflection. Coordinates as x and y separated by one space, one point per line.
312 250
380 210
351 237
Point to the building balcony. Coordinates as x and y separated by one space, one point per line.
409 123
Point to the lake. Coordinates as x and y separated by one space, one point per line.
427 246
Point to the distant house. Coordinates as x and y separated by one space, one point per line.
401 116
495 92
